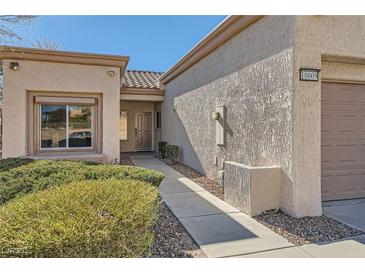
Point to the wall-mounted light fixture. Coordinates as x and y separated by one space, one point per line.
111 73
14 65
219 115
216 115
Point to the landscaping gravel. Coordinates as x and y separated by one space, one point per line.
125 160
306 230
206 183
171 239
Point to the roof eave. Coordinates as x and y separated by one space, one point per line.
18 53
229 27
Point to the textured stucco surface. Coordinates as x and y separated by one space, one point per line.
252 189
272 117
315 37
237 186
252 76
57 77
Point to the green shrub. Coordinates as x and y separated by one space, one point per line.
110 218
9 163
162 149
172 153
43 174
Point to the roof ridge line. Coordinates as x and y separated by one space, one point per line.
136 70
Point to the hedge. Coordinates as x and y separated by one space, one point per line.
172 152
9 163
42 174
107 218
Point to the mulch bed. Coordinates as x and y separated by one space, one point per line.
206 183
171 239
306 230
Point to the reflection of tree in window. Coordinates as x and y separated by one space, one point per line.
53 126
58 131
79 126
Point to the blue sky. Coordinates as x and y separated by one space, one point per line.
152 42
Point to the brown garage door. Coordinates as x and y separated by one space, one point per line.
343 141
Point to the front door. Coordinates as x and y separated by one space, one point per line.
143 131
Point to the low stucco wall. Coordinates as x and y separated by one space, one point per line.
272 117
253 190
57 77
251 75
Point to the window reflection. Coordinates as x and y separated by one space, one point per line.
53 126
66 126
79 126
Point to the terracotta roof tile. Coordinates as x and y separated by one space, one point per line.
141 79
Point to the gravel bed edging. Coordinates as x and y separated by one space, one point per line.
299 231
171 239
307 230
209 185
125 160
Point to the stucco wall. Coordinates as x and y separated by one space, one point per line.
57 77
251 75
132 107
316 36
158 132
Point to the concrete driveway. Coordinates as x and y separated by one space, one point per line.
350 212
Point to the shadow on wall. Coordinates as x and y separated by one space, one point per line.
188 151
195 131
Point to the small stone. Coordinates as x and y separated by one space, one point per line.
307 230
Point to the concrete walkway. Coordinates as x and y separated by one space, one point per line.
218 228
223 231
350 212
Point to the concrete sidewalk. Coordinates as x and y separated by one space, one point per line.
223 231
218 228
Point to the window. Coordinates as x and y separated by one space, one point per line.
123 125
66 126
158 119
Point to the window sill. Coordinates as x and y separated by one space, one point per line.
73 156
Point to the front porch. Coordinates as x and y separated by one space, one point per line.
140 111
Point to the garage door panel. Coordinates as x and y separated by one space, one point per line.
343 154
338 126
343 141
343 184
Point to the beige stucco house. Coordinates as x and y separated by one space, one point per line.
248 70
272 106
77 106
